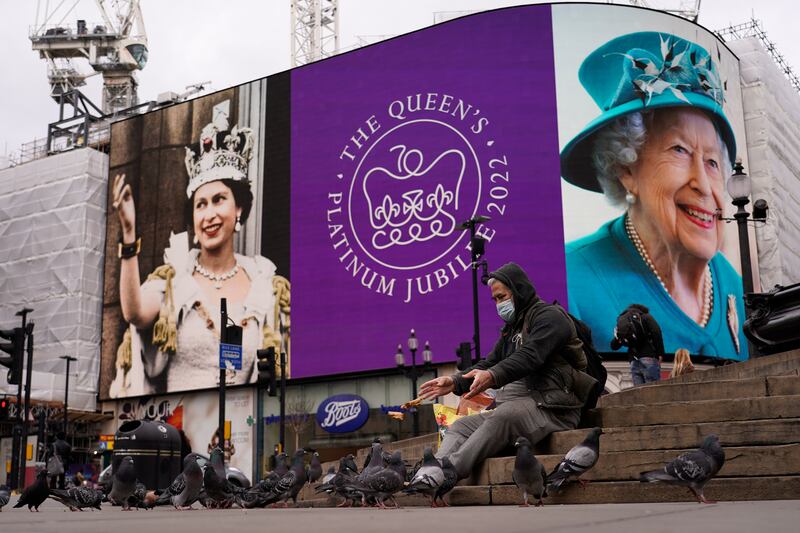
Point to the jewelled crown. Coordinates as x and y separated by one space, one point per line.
220 155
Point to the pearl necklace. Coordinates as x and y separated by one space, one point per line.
216 278
708 285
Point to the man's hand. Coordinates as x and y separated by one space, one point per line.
482 380
430 390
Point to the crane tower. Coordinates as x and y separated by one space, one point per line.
315 30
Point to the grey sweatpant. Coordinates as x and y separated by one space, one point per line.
473 438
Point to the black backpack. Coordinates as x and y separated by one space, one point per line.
594 366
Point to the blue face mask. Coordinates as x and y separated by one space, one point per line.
506 310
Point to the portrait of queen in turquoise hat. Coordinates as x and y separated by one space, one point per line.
662 150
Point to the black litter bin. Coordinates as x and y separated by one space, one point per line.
155 448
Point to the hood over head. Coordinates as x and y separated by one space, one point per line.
512 276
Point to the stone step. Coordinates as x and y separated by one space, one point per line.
696 412
744 461
712 390
679 436
719 489
771 365
413 447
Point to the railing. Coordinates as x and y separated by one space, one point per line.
78 30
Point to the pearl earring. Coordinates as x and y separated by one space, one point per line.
238 227
196 239
630 198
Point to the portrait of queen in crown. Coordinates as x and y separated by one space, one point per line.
661 151
172 339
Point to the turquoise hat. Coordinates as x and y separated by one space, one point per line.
640 71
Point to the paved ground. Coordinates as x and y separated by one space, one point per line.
750 517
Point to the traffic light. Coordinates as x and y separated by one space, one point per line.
464 353
15 349
266 369
4 415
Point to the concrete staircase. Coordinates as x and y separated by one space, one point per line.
754 408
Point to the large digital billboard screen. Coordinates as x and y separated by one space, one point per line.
326 203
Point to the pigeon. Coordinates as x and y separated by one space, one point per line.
34 494
139 497
4 496
185 488
314 470
281 466
252 498
692 469
375 463
384 455
529 474
450 480
289 485
268 483
217 491
78 498
383 483
428 478
328 477
217 460
337 485
124 483
579 460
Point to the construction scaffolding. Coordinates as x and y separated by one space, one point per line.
753 28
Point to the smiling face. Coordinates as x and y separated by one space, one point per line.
679 183
214 213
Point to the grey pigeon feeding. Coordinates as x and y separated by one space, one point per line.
217 489
692 469
579 460
185 488
78 498
124 483
34 494
5 495
450 480
139 497
428 478
382 485
338 485
529 474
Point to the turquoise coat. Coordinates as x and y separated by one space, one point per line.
605 274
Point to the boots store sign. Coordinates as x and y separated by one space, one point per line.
342 413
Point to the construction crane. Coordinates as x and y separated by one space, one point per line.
115 47
315 30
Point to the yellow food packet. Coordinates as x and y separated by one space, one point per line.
445 417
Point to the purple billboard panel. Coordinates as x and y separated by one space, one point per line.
392 148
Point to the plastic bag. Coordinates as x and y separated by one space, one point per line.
54 466
445 416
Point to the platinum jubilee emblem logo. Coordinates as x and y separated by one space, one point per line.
409 176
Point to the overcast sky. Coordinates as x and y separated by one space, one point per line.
192 41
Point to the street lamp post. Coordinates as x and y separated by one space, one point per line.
413 372
68 359
739 188
477 249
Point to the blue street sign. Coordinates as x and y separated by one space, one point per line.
230 356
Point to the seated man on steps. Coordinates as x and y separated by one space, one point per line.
536 367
